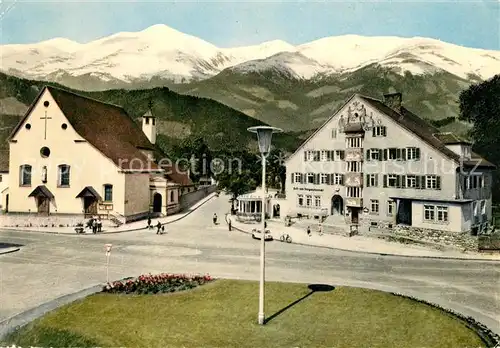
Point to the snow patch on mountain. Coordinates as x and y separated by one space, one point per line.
161 51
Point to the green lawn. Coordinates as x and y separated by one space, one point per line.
224 314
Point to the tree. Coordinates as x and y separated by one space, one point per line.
276 170
480 105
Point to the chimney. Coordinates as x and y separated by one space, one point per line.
393 100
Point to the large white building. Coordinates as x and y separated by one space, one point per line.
376 163
71 155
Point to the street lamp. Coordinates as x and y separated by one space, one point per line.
264 136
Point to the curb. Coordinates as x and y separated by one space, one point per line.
17 321
9 250
208 198
379 253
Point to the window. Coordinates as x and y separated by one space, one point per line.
63 175
374 206
354 142
297 177
392 180
171 196
442 213
317 201
373 155
390 208
412 153
354 167
432 182
339 155
411 181
25 175
392 153
45 152
147 120
310 178
308 200
334 133
483 207
324 178
379 131
300 200
428 212
353 192
324 155
337 179
474 208
371 180
108 193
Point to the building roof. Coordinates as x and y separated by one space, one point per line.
449 138
107 127
424 131
257 195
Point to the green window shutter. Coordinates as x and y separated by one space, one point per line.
438 183
403 181
292 176
398 154
376 180
417 182
367 155
385 180
367 180
398 181
384 131
385 155
417 153
403 154
423 182
305 156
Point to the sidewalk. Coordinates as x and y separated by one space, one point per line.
357 243
132 226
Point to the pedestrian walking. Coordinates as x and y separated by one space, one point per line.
163 229
94 226
229 224
99 224
309 231
320 229
158 226
149 222
215 219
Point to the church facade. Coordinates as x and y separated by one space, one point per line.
375 163
71 155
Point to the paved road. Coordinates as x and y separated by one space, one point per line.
49 266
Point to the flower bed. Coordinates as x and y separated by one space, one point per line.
153 284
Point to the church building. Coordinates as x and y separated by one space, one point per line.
75 156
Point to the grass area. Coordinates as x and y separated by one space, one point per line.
224 314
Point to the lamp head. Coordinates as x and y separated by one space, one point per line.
264 137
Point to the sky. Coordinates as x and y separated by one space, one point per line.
239 23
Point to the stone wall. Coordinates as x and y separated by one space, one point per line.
188 199
26 220
463 241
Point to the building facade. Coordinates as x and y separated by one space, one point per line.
375 163
71 155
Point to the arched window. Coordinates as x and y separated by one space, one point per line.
63 175
171 196
25 175
108 192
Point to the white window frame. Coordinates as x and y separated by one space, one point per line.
374 206
324 156
323 178
337 179
441 213
317 201
354 142
392 177
372 180
411 181
300 200
431 182
391 206
297 178
354 167
308 201
353 192
310 178
374 155
377 131
338 155
411 153
429 209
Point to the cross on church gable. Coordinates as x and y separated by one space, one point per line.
45 118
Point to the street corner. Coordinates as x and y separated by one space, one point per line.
6 248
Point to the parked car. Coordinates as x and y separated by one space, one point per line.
257 234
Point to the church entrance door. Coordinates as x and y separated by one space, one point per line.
337 205
157 203
90 205
43 205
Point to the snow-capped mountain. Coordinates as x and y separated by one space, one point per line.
160 51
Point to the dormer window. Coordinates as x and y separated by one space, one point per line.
147 120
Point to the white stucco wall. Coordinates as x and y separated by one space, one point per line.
4 184
88 166
137 194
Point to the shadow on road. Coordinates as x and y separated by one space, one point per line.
9 245
313 287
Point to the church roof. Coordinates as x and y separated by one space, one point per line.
107 127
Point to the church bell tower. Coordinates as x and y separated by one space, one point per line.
149 124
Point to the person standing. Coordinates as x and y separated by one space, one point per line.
158 226
99 224
149 222
94 226
215 219
309 231
320 229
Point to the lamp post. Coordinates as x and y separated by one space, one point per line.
264 136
